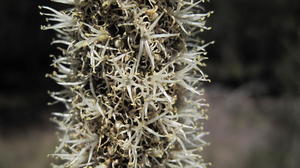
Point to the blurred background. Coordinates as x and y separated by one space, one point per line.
254 96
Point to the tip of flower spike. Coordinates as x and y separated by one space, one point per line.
42 27
210 13
68 2
42 7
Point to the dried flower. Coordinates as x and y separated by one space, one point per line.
131 73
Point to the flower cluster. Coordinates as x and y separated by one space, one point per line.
131 73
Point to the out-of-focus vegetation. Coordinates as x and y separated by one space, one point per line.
26 149
249 131
254 96
256 60
257 41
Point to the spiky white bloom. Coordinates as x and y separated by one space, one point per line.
132 74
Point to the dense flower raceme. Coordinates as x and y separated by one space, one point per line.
131 73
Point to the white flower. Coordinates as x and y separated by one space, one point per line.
187 17
64 21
